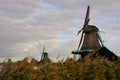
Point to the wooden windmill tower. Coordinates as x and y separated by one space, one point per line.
90 40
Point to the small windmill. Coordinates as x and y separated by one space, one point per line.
44 56
90 40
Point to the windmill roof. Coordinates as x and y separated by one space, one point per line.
105 52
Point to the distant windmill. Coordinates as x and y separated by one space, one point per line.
44 56
90 40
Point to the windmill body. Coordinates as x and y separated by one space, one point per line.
44 57
90 41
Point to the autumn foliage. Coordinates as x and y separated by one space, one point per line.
86 69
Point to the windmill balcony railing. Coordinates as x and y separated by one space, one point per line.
82 51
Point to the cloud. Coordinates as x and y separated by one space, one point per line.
25 25
17 9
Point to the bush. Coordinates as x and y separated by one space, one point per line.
87 69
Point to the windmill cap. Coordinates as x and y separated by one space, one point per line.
91 28
45 53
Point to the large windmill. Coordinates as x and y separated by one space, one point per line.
90 40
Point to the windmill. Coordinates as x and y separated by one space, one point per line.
90 40
44 56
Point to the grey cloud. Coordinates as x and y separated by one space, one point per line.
26 24
70 4
17 9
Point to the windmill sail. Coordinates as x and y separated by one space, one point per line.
87 17
86 20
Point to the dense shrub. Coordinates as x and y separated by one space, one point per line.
86 69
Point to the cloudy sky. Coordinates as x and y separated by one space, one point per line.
27 25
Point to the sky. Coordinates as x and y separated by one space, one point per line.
26 26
